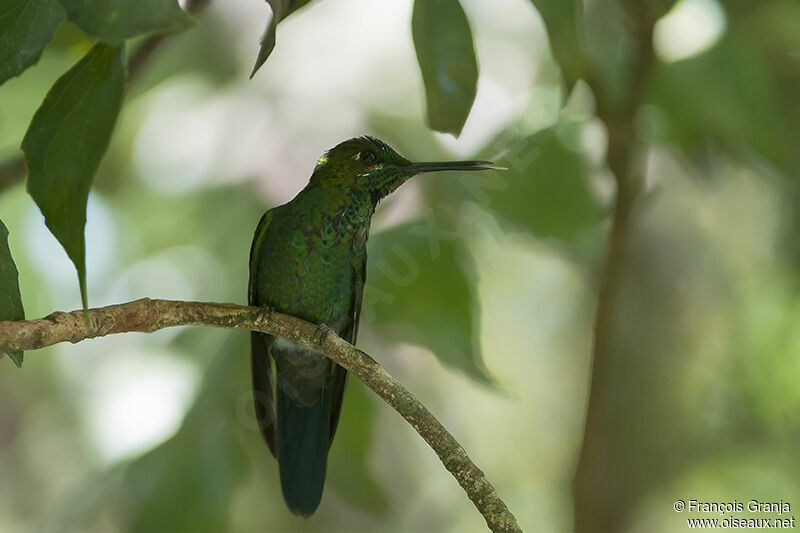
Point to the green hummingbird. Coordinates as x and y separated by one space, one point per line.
308 259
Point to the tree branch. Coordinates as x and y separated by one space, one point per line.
148 315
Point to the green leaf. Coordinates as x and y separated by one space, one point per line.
419 291
545 189
10 299
26 26
446 57
611 49
564 22
732 96
195 53
113 21
280 10
66 141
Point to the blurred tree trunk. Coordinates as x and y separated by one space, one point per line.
603 490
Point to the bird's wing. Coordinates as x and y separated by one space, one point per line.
261 365
350 335
258 239
359 279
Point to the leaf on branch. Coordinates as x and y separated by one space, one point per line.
545 190
564 22
26 26
446 56
113 21
10 299
66 141
730 95
280 10
418 291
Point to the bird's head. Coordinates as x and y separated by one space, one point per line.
370 165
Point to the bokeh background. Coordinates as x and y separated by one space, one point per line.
482 290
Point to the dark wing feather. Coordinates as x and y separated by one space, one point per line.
350 335
260 360
258 238
263 387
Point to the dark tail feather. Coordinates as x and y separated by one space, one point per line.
262 388
303 441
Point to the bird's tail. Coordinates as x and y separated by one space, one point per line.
304 433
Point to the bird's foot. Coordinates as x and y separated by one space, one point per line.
322 332
266 312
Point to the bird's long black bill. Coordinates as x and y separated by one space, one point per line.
419 168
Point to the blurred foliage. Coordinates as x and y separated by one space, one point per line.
727 95
426 260
203 462
479 270
611 50
114 21
349 471
546 190
197 52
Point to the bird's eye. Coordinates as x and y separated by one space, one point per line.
368 158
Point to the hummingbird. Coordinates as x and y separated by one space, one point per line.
308 259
